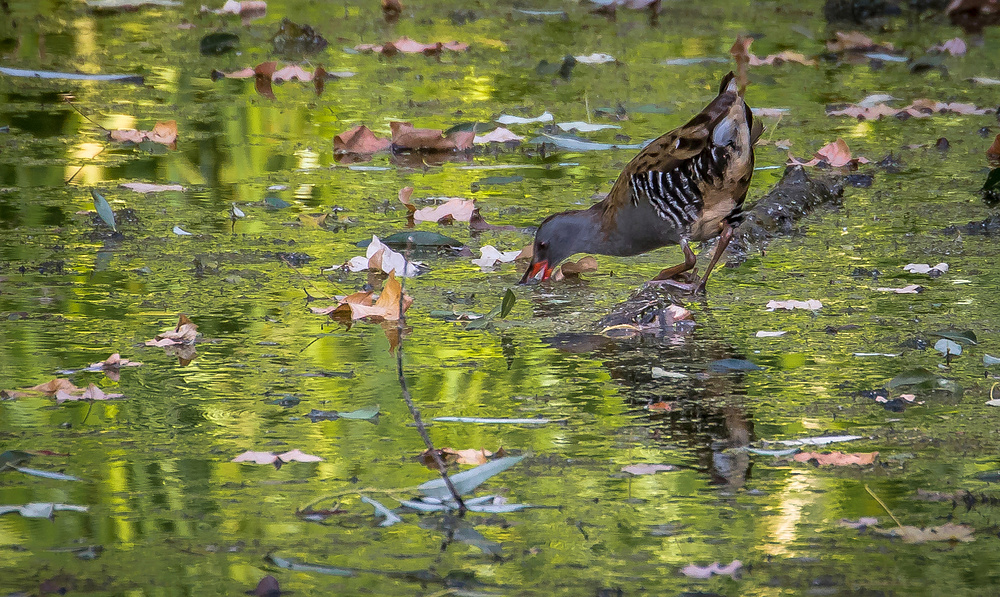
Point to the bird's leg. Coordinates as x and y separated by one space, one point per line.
689 262
724 238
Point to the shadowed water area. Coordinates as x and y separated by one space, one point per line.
169 513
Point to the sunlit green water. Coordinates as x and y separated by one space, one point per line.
174 515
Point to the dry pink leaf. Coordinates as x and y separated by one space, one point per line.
298 456
498 135
147 187
292 71
245 73
458 209
811 304
647 469
837 458
955 46
256 457
694 571
837 154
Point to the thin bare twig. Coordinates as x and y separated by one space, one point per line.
884 507
409 399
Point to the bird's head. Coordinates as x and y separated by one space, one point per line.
555 240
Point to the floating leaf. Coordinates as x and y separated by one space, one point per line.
836 458
990 360
948 347
468 481
104 210
648 469
509 298
297 567
962 337
912 377
363 414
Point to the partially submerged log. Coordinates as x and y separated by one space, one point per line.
796 195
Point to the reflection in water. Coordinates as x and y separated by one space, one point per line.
699 412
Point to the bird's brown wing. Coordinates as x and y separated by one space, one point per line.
670 169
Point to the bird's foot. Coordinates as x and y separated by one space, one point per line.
687 282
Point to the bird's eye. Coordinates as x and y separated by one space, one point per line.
543 245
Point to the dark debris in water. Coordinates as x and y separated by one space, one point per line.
292 38
986 227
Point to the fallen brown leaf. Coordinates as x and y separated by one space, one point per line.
405 136
584 265
360 139
60 383
993 153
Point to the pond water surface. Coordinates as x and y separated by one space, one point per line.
169 513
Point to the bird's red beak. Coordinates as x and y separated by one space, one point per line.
534 269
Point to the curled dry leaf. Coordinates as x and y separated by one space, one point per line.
993 153
837 154
360 139
405 136
184 333
115 361
584 265
380 257
456 208
837 458
56 385
359 305
811 304
489 256
404 197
